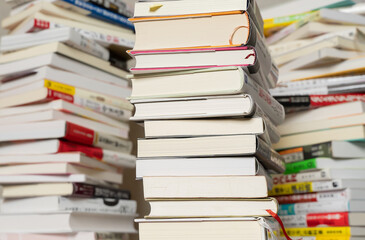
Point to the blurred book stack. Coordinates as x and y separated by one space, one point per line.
64 122
200 87
321 58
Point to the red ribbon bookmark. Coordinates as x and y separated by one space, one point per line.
277 218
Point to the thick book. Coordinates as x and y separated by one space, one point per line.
172 8
61 129
319 175
152 61
210 127
66 35
60 169
67 222
347 232
207 187
67 189
350 133
323 163
212 208
330 196
64 148
43 75
206 82
332 149
332 219
63 236
52 115
66 51
321 207
193 107
233 28
202 228
54 204
105 37
318 186
235 145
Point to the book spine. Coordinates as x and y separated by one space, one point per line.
305 187
320 231
267 103
79 134
309 176
254 11
87 190
268 157
119 6
307 152
102 14
87 45
335 219
296 167
92 152
313 207
112 143
108 110
270 128
314 197
125 207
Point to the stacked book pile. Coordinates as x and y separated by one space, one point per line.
200 87
321 61
64 127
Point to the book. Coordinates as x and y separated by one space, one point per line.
350 133
53 10
318 186
232 28
227 187
72 158
210 127
331 149
22 67
327 231
64 236
205 82
54 204
164 8
68 222
212 208
66 35
46 74
324 56
319 163
335 219
50 115
201 228
52 146
69 189
60 168
330 196
61 129
193 107
105 37
235 145
321 207
319 175
150 61
66 51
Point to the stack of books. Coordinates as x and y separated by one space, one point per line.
321 62
64 128
200 87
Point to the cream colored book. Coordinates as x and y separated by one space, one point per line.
64 50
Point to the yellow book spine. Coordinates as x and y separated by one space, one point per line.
320 231
291 188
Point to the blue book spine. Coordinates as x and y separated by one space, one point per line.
102 14
286 209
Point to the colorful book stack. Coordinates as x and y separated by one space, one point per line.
322 192
200 88
63 130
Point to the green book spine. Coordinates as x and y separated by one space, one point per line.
300 166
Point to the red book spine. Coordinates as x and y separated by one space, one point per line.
93 152
76 133
54 95
282 179
336 219
330 99
40 24
297 198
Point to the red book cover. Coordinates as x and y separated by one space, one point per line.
93 152
336 219
330 99
76 133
